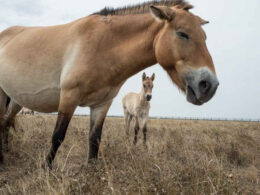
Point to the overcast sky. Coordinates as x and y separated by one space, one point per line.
232 37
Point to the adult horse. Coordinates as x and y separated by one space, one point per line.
85 62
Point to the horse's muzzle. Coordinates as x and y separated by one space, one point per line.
148 97
201 85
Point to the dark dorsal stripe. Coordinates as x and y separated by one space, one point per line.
140 8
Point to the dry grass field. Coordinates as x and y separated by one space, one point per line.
181 157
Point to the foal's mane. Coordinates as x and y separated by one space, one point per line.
143 7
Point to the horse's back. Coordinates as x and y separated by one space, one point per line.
9 33
129 97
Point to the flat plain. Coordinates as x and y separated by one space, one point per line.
180 157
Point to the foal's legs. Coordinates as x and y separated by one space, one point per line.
129 122
3 99
126 115
97 117
128 118
12 110
140 123
136 129
144 132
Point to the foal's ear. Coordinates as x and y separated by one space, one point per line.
152 77
144 76
162 13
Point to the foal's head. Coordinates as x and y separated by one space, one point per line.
180 48
148 86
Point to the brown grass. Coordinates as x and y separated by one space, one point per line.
182 157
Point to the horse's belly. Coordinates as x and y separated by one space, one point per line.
35 88
44 99
130 108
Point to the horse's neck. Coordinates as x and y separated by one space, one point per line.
133 43
142 100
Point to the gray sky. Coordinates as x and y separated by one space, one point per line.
232 38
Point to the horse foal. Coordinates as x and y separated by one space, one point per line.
26 111
138 105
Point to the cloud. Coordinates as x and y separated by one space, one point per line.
25 7
232 41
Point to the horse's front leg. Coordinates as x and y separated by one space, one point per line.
143 127
136 129
144 132
67 106
97 117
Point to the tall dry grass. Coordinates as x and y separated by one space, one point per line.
181 157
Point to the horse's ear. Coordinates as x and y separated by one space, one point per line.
152 77
187 7
144 76
162 13
202 21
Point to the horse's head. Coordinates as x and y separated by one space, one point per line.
180 48
148 86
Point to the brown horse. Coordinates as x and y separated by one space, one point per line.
137 105
85 62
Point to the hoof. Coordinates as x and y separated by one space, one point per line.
92 161
1 159
46 166
5 149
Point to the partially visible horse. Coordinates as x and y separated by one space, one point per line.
7 123
26 111
10 122
137 105
85 63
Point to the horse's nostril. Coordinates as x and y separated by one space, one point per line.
148 97
204 86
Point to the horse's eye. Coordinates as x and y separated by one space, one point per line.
182 35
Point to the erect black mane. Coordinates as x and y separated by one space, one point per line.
140 8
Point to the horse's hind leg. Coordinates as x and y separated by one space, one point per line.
129 122
3 99
12 110
128 118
